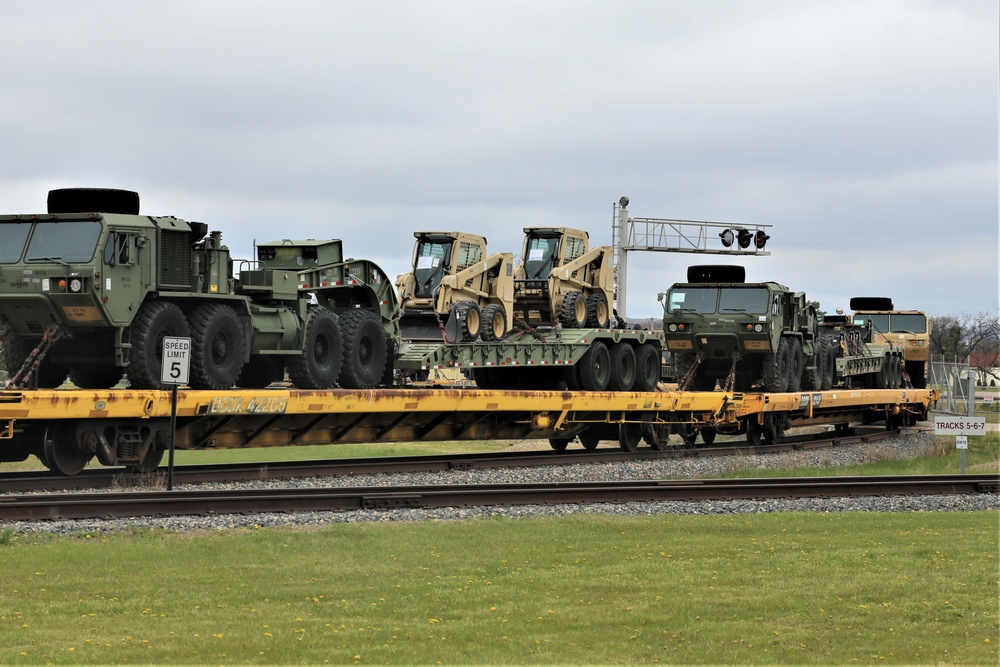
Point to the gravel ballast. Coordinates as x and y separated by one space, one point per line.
907 445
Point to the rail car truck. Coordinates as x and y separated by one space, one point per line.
763 336
908 329
91 288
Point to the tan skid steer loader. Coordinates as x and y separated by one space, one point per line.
456 293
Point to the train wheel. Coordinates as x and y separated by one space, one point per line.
103 376
261 371
61 452
795 364
647 368
623 364
595 368
754 431
559 444
629 436
598 313
364 350
687 433
217 346
708 435
494 322
318 366
812 378
574 311
774 427
154 320
589 441
150 461
656 435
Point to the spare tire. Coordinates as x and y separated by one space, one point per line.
93 200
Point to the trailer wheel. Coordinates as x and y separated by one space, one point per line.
103 376
494 323
318 366
154 320
795 364
574 311
217 346
623 363
364 349
481 376
61 451
595 368
598 313
262 370
647 368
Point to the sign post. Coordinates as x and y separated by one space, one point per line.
175 370
961 428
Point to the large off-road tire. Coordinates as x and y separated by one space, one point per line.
812 377
262 370
217 346
700 382
777 369
103 376
573 314
318 366
494 325
598 312
154 321
796 362
595 368
647 368
364 350
622 368
465 322
830 368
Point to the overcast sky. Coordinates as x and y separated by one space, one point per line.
864 132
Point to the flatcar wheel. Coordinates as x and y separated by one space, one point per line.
558 444
774 427
754 431
629 435
688 434
708 435
150 461
589 441
61 452
656 435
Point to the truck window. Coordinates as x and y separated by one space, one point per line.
12 238
738 300
117 249
693 299
65 241
907 323
879 322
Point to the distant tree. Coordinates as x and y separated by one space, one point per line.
975 338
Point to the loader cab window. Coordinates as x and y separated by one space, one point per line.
574 247
700 300
468 254
540 257
12 238
430 266
64 241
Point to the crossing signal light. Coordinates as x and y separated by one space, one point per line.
759 239
744 238
727 238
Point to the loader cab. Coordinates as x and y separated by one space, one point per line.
548 247
440 254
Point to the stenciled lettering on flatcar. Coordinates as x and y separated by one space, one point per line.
237 405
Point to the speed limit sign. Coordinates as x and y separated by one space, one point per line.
176 360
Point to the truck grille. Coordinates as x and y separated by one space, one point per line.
174 266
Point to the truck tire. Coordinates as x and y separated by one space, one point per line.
777 367
830 370
261 371
647 368
494 325
364 350
916 371
598 313
50 374
318 366
622 368
595 368
795 364
217 346
573 314
812 378
154 320
700 381
102 376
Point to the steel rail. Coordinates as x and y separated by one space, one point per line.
100 478
255 501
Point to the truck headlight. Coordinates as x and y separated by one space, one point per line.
758 327
75 285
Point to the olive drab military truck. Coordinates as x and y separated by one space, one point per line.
563 280
763 336
908 329
91 288
455 292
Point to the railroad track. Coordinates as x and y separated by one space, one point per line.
103 478
214 502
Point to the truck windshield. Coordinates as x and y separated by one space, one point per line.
880 323
743 300
64 241
907 323
539 256
12 238
693 299
430 267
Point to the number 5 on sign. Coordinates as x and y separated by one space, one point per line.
176 360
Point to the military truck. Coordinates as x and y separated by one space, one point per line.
563 280
455 293
907 329
763 336
91 288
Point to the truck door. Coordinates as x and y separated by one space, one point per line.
121 275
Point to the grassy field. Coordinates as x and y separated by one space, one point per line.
749 589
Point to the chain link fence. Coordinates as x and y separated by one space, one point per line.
952 379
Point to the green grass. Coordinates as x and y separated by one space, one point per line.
788 588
